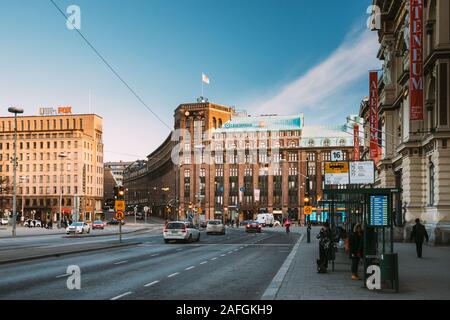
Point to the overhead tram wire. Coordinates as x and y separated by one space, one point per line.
111 68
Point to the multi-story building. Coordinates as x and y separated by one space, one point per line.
117 169
59 164
415 151
219 163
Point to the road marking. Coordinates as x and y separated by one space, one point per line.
63 275
120 262
151 283
203 262
230 252
154 255
189 268
122 295
241 248
236 250
275 285
173 275
223 255
214 258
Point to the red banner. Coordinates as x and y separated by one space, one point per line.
356 142
416 60
373 114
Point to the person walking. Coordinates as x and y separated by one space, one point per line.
287 224
418 234
325 244
356 249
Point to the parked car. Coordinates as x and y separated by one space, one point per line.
181 230
277 223
115 222
98 224
31 223
4 221
215 226
78 227
265 219
253 226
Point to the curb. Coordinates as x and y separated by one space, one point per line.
64 234
49 255
273 288
103 235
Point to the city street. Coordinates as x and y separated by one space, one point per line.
235 266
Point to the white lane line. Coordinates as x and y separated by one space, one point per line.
236 250
189 268
203 262
214 258
241 248
223 255
151 283
122 295
230 252
154 255
173 275
120 262
63 275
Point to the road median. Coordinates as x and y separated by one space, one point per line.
28 254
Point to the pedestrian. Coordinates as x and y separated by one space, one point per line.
325 242
418 234
356 249
50 224
237 222
34 223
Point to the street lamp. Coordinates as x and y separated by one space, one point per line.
23 178
15 111
61 155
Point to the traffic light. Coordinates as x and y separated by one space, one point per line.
121 193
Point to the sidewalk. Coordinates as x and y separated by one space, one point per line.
427 278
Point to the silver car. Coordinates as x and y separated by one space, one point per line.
215 226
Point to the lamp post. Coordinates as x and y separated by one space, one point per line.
23 178
61 155
15 111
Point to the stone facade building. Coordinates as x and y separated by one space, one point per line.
415 153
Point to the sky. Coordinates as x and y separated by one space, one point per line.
262 56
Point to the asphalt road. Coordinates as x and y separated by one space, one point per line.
235 266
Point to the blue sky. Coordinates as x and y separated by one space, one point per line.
264 56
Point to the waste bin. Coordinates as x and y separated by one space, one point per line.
389 269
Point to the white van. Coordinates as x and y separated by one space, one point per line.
266 219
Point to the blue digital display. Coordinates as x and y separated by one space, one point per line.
378 211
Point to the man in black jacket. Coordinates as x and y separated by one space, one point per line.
418 234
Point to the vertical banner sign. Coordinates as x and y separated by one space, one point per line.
356 142
416 60
373 114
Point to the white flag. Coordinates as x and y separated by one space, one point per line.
205 78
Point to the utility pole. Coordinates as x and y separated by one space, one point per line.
15 111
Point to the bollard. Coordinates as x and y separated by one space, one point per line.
308 234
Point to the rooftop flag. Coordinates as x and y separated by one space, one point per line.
205 78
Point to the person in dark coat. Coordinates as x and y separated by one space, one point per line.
325 245
418 234
356 249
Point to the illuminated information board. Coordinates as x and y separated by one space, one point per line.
379 211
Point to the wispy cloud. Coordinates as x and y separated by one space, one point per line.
329 83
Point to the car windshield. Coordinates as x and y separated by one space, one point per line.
98 221
175 225
215 222
76 224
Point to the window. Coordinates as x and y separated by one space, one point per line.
187 173
431 184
